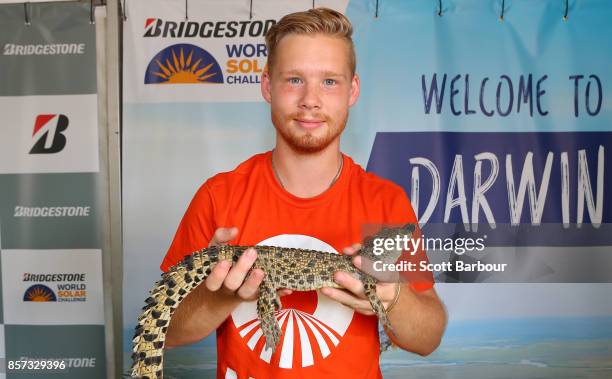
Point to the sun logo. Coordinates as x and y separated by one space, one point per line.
183 64
39 293
313 325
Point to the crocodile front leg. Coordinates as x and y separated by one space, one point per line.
369 285
266 304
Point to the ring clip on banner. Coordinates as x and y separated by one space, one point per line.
26 13
91 12
28 19
503 9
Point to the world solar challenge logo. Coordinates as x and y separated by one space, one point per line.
62 287
39 293
183 64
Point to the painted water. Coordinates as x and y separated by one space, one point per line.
539 348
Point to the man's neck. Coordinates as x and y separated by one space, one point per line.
306 175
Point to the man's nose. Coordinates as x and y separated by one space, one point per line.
310 97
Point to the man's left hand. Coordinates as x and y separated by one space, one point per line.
353 294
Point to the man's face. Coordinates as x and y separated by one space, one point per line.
310 90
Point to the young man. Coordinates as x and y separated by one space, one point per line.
305 193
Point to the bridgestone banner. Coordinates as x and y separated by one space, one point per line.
496 122
51 228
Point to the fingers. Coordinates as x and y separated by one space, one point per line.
217 276
353 294
344 297
349 283
236 275
357 262
221 269
367 265
385 291
382 276
284 292
351 250
223 236
249 289
238 279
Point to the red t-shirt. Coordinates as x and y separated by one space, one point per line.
321 338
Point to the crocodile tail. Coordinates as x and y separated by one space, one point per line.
175 285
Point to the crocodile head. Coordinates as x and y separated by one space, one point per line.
388 244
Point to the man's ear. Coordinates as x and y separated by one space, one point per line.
355 90
266 85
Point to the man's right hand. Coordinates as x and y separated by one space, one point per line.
204 309
207 306
231 279
234 280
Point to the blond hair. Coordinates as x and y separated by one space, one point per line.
313 21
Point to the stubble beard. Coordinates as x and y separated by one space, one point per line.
308 143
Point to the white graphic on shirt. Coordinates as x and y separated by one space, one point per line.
317 334
231 374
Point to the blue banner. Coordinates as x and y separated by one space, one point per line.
500 177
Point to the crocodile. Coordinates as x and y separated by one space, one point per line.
291 268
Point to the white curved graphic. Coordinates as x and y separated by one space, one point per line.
316 334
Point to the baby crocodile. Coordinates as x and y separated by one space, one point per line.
295 269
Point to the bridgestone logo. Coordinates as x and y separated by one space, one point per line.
79 277
52 211
49 49
155 27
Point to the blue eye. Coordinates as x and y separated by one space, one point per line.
295 80
329 82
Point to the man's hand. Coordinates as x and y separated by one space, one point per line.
353 295
205 308
235 280
423 309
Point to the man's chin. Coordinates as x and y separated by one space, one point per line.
308 146
307 141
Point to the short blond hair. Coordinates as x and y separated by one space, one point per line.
313 21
